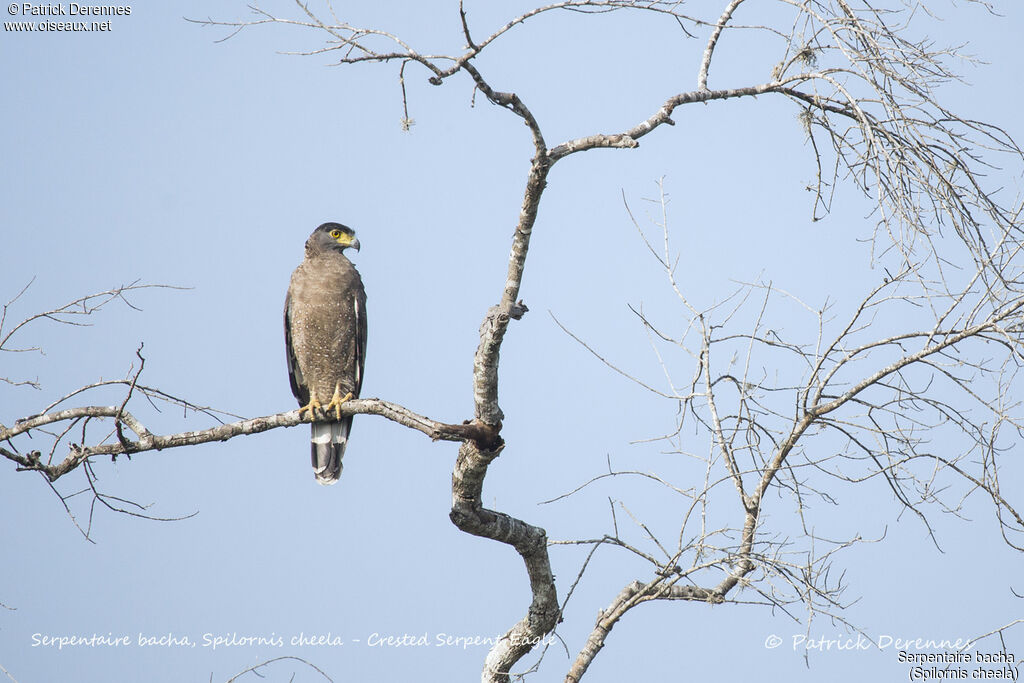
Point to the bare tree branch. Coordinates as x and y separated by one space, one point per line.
147 441
255 669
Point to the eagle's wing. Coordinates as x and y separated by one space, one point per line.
295 378
360 355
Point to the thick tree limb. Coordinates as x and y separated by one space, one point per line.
471 466
469 515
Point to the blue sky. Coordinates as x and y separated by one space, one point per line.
154 153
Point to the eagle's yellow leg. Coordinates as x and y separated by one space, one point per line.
336 402
312 406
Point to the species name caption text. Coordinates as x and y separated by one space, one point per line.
977 665
214 641
64 17
928 659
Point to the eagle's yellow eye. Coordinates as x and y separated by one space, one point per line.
335 234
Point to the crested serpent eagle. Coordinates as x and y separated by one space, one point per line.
325 341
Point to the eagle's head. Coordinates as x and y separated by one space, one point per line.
331 237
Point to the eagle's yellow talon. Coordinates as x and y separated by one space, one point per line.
336 402
312 407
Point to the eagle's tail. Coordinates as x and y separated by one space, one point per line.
328 448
